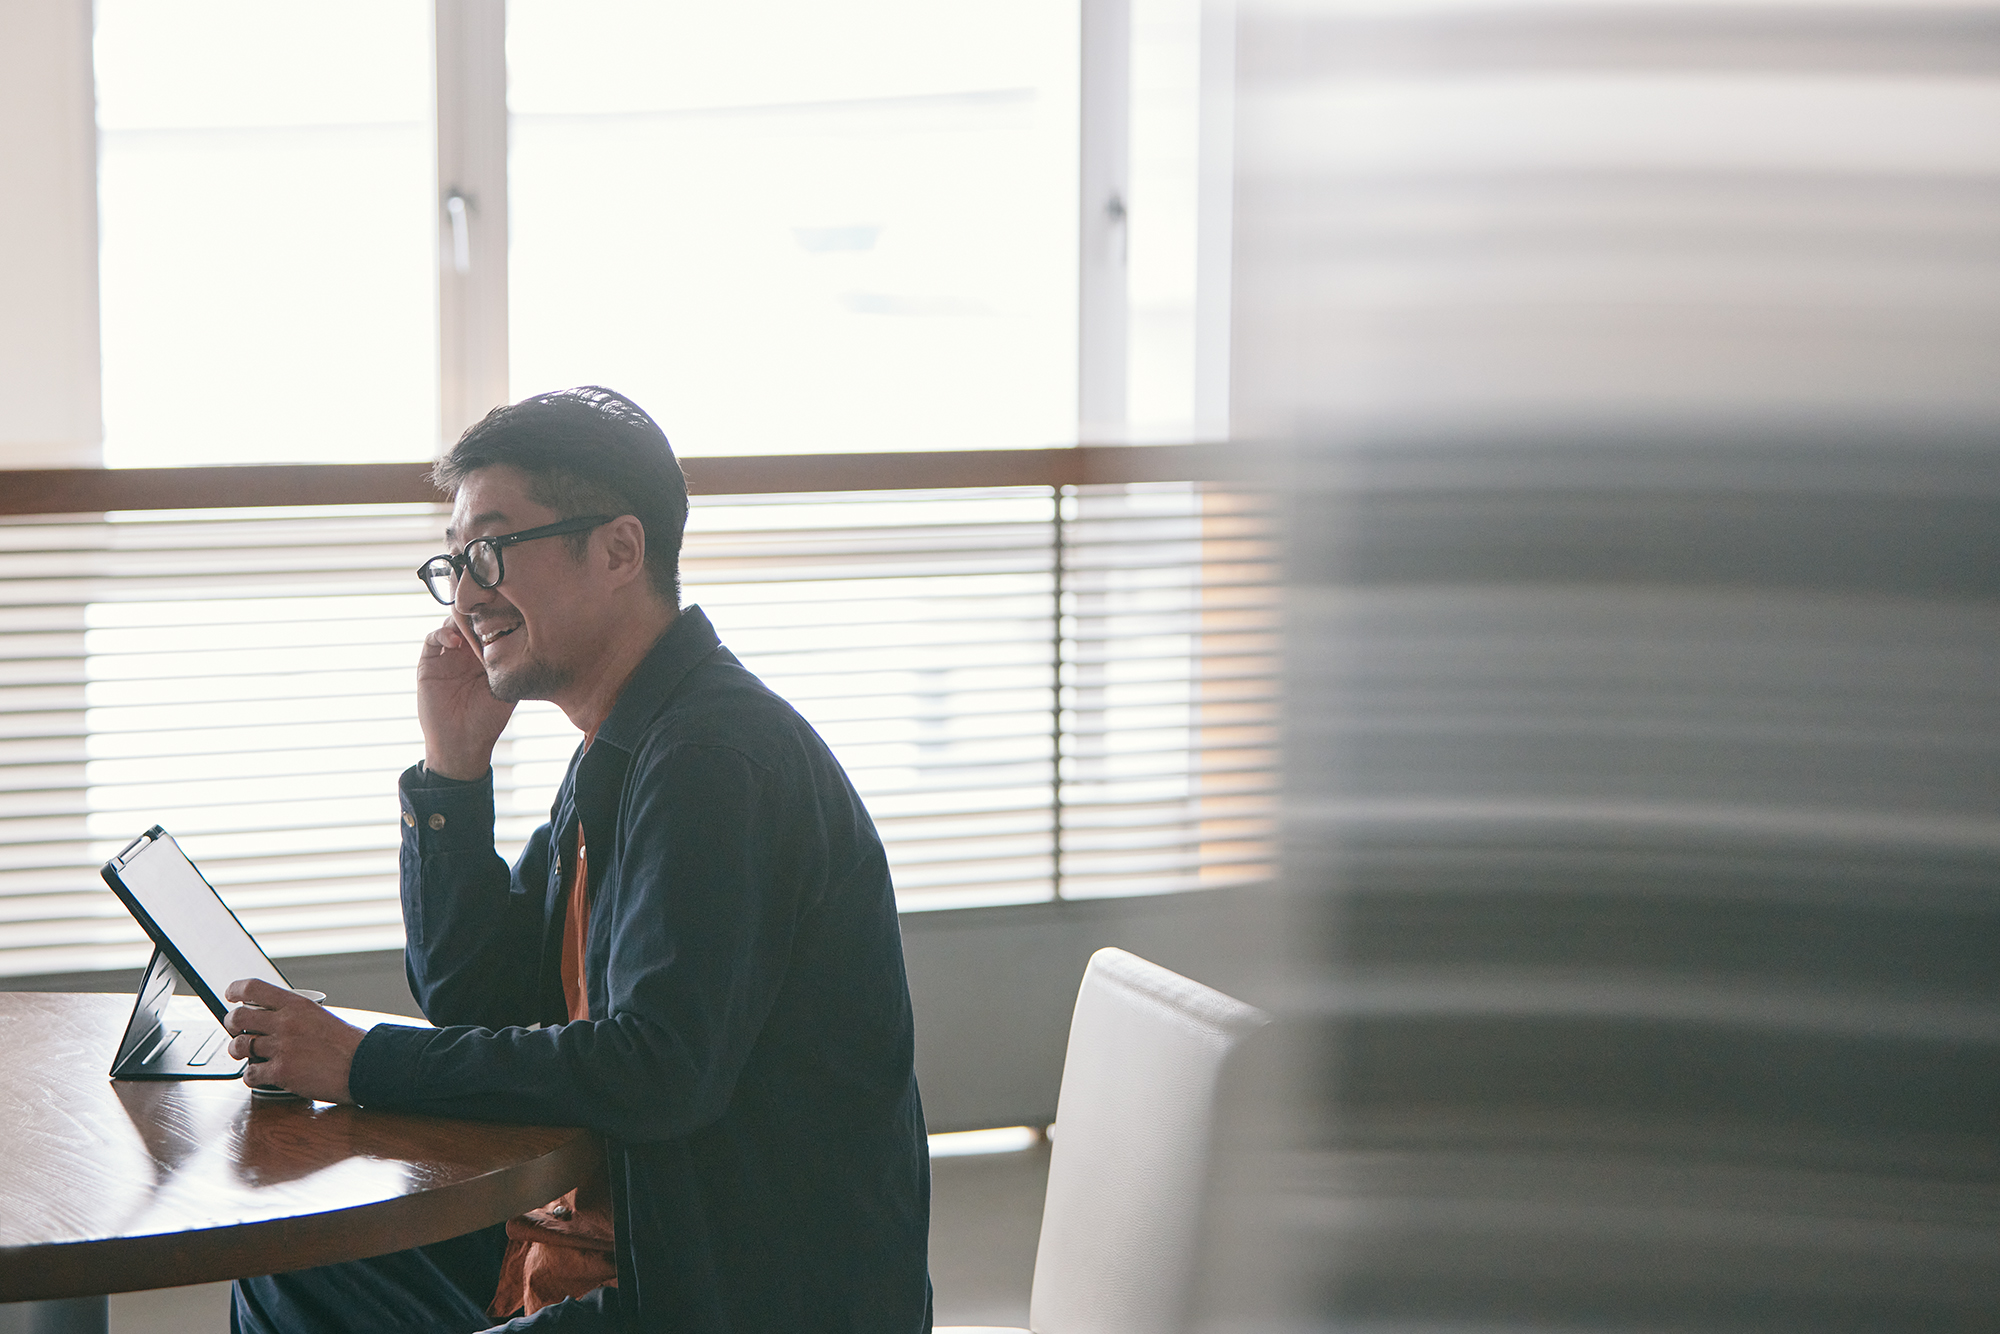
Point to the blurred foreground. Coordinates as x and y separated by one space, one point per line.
1639 369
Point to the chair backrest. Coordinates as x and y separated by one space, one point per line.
1129 1163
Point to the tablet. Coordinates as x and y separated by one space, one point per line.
186 918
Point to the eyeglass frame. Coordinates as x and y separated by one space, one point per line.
460 563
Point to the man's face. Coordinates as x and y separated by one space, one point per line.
529 631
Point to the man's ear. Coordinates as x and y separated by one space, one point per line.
625 548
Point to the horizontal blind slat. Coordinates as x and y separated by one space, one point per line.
246 677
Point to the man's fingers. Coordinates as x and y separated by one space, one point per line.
251 1019
308 1051
256 991
444 639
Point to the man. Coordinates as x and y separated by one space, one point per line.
697 957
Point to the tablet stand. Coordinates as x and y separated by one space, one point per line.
157 1045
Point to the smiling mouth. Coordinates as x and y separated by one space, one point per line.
487 640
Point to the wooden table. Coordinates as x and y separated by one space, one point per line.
113 1186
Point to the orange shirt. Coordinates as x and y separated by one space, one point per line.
564 1248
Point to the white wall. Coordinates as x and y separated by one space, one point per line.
50 406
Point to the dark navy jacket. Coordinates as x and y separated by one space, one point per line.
748 1057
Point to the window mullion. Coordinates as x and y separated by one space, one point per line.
1105 110
471 50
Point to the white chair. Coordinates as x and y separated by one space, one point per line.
1129 1162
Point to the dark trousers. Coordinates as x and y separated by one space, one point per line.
437 1289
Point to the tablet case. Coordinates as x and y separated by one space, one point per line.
113 873
157 1045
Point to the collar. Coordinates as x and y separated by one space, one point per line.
687 642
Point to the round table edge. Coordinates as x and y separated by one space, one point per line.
55 1270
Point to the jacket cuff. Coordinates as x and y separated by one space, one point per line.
384 1072
446 814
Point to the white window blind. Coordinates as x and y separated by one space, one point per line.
240 676
1040 693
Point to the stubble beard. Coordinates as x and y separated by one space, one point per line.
529 680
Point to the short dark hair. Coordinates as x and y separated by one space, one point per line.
587 450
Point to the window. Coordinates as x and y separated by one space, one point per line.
784 226
789 226
266 271
789 229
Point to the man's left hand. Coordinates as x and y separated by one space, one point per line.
298 1044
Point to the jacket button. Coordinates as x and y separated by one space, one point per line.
409 819
437 821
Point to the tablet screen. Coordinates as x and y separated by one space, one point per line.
183 913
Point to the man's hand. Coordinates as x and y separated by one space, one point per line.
456 709
299 1045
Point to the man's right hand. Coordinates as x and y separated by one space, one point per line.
456 709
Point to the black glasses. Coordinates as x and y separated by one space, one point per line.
481 558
